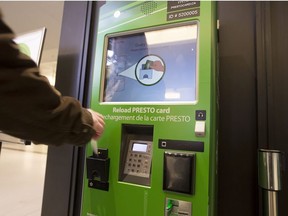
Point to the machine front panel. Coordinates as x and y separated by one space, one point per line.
154 82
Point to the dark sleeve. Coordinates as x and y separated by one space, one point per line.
30 108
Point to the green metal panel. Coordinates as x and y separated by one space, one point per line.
128 199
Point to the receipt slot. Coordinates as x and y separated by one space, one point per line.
177 208
154 81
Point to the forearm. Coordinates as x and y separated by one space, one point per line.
49 127
31 108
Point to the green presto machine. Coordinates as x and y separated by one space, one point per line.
154 81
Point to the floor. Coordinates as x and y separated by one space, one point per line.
22 171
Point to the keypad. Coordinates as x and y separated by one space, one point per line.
138 163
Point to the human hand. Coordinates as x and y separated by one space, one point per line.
157 65
98 124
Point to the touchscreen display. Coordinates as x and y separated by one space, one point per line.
152 66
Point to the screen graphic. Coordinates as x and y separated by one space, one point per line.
139 147
152 66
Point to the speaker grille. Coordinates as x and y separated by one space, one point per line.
148 7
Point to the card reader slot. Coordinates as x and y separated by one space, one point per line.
98 170
185 145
